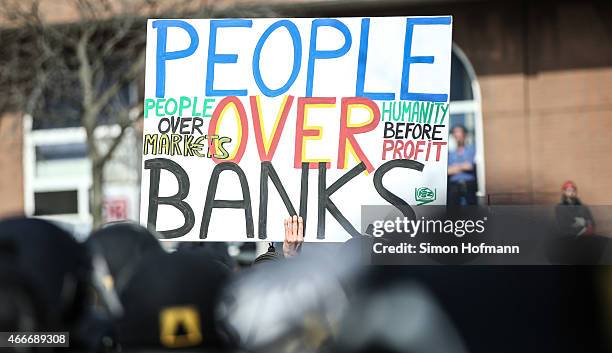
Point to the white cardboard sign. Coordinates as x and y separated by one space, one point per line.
250 120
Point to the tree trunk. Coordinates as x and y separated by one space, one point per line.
97 194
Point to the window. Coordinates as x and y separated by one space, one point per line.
57 176
61 103
45 153
465 107
55 203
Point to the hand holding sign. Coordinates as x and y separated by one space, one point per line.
294 236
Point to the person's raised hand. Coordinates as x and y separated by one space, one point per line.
294 236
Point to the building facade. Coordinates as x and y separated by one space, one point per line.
531 81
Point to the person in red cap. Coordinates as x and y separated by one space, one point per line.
570 193
574 217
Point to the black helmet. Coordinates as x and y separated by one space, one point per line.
169 302
52 267
122 245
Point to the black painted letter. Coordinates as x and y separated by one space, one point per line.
326 203
156 165
390 197
211 202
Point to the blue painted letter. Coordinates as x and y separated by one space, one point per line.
361 66
314 54
214 58
297 57
162 55
405 93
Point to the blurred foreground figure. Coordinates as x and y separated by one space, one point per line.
321 301
573 217
117 249
285 306
328 302
44 281
169 304
508 309
402 318
218 251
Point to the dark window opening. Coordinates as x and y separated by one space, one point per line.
61 105
61 152
55 202
461 84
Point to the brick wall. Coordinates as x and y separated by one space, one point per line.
547 102
11 169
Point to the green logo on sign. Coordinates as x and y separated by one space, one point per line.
424 195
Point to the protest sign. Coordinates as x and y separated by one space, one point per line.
248 121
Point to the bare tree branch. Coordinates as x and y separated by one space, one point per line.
133 71
84 68
127 120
